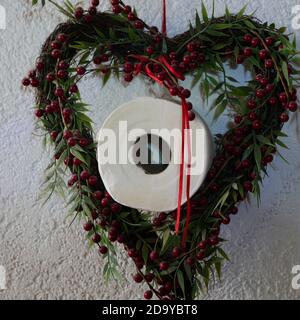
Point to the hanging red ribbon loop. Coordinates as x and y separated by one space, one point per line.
185 130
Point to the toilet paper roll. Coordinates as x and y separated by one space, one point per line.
150 129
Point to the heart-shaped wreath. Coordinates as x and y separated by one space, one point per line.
122 44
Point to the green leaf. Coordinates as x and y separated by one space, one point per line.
218 266
198 22
281 144
285 71
165 238
180 279
196 78
220 109
257 155
223 254
264 140
242 11
204 13
221 26
249 24
78 155
145 253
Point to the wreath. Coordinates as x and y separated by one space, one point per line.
119 43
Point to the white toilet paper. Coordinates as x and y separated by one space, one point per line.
123 134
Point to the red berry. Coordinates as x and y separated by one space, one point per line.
292 106
240 59
268 159
154 256
149 51
270 88
62 74
26 82
63 65
174 91
61 37
35 83
149 277
84 175
104 202
39 113
93 180
103 250
131 16
56 54
59 92
284 117
55 45
226 221
71 142
128 77
233 210
176 252
50 77
185 93
115 208
272 101
32 74
269 41
83 142
238 119
192 115
246 164
67 112
190 261
98 195
127 9
251 104
54 135
256 125
92 10
88 226
148 295
263 54
264 82
73 88
260 93
40 66
269 64
128 67
78 13
213 240
67 134
200 256
88 18
255 42
248 187
164 266
80 71
283 97
248 38
138 278
248 52
132 253
139 24
96 238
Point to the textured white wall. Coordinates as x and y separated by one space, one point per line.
45 259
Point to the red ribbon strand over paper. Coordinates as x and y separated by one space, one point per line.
185 130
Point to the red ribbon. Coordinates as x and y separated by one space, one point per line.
185 128
164 19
